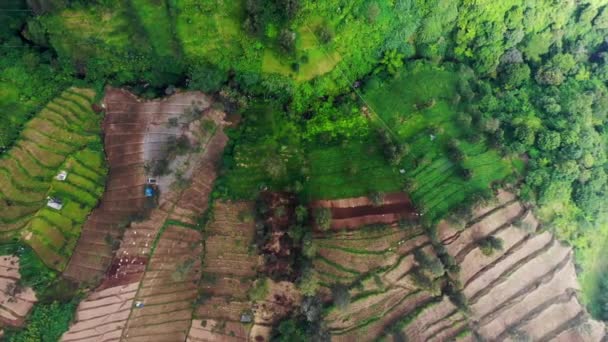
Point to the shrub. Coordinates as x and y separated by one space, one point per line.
340 295
489 245
309 283
259 290
323 218
46 323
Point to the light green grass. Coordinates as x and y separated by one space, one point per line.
437 184
52 234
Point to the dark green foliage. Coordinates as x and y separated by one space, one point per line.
490 244
514 75
46 323
206 78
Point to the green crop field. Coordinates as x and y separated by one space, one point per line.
402 104
63 136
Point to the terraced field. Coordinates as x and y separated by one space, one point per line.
230 265
525 291
136 134
355 212
380 266
64 136
528 289
156 262
167 289
16 301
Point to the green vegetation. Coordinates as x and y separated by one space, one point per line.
46 323
64 136
442 99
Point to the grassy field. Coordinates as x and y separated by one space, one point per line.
353 169
65 135
402 105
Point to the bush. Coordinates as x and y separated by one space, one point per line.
489 245
46 323
340 295
259 290
323 218
206 78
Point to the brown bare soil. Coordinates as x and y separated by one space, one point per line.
15 301
352 213
103 314
167 296
526 290
135 134
231 263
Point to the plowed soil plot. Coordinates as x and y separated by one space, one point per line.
355 212
167 289
15 301
230 265
136 133
102 315
376 266
345 256
527 289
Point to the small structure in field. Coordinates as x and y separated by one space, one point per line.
149 191
139 304
54 203
246 318
152 181
62 175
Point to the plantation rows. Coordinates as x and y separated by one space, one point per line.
64 136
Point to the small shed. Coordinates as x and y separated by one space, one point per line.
246 318
62 175
149 191
54 203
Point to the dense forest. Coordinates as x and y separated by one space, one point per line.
514 90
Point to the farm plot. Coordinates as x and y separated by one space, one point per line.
15 300
64 136
418 107
103 314
387 275
167 289
230 266
347 257
137 135
525 289
356 212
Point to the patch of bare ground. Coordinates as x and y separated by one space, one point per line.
524 290
352 213
16 301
